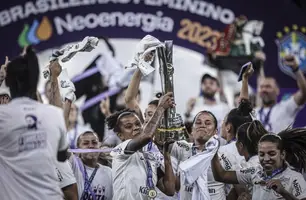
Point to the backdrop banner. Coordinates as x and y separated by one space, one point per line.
193 24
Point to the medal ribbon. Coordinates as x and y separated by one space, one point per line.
265 119
274 173
150 184
87 182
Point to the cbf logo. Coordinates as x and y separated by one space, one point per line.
292 42
37 32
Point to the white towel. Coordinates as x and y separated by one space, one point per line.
66 87
144 47
194 170
66 53
113 72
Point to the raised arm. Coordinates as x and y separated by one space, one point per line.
66 107
166 183
132 92
55 96
222 175
3 70
244 93
261 75
105 107
149 129
300 95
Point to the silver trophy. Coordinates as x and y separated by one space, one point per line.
171 125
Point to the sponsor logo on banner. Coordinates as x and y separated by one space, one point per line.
292 42
35 33
66 21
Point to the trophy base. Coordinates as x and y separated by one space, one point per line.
175 130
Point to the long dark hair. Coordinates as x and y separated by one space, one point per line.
240 115
23 74
293 142
249 135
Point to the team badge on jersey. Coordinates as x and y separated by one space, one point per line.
292 42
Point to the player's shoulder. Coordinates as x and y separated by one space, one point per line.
105 169
226 148
50 109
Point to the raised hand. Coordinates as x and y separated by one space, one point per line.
149 56
276 185
105 107
166 145
3 70
55 69
167 101
291 62
248 72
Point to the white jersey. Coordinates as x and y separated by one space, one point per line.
231 160
252 162
65 174
292 181
101 184
229 155
182 150
281 115
29 143
130 172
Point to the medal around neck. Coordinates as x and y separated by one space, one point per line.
152 193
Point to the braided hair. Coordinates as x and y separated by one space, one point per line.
249 135
293 142
112 120
240 115
23 74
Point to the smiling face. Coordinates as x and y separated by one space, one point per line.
270 157
129 126
204 127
